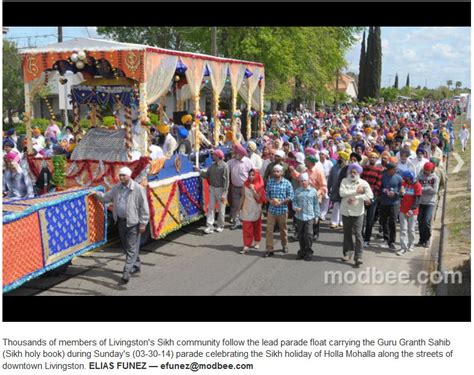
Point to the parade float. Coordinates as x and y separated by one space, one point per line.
127 78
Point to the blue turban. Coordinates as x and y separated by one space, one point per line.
9 143
355 166
360 145
379 149
182 132
11 131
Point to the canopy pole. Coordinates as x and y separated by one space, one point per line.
234 109
217 123
143 105
196 128
249 102
260 113
27 118
128 131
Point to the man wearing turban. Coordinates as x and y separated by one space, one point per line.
338 172
218 177
167 142
239 168
16 182
390 202
131 213
429 181
354 192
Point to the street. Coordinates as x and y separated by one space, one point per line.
188 262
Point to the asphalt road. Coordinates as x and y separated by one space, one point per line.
189 262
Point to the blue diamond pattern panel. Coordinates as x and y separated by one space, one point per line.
193 187
66 225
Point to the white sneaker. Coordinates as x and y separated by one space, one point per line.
401 252
322 218
219 229
245 250
411 249
366 244
209 230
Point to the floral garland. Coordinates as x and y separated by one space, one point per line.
167 206
59 166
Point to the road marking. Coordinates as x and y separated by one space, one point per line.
460 163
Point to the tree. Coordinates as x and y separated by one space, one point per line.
299 61
373 67
377 40
407 84
13 96
449 84
395 85
361 88
458 84
389 94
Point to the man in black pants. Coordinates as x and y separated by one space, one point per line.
131 213
390 203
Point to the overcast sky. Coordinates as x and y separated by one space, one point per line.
431 55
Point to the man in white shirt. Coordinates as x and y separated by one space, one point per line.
168 142
156 152
420 160
404 163
327 166
253 155
354 192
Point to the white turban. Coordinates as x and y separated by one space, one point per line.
277 167
280 153
299 157
126 171
304 177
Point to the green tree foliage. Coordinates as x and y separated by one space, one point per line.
299 61
389 94
13 97
449 84
458 85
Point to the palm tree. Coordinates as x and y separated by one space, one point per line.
458 84
449 83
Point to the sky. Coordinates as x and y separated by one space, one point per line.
431 55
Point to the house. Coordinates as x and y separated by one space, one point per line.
346 84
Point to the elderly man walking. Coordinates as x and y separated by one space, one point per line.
306 206
239 168
131 213
354 192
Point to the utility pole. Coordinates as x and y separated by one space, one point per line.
60 34
214 41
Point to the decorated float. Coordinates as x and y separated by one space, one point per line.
127 78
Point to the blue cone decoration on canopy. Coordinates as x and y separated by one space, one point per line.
181 67
248 73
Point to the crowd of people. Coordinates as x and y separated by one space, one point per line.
353 166
380 164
